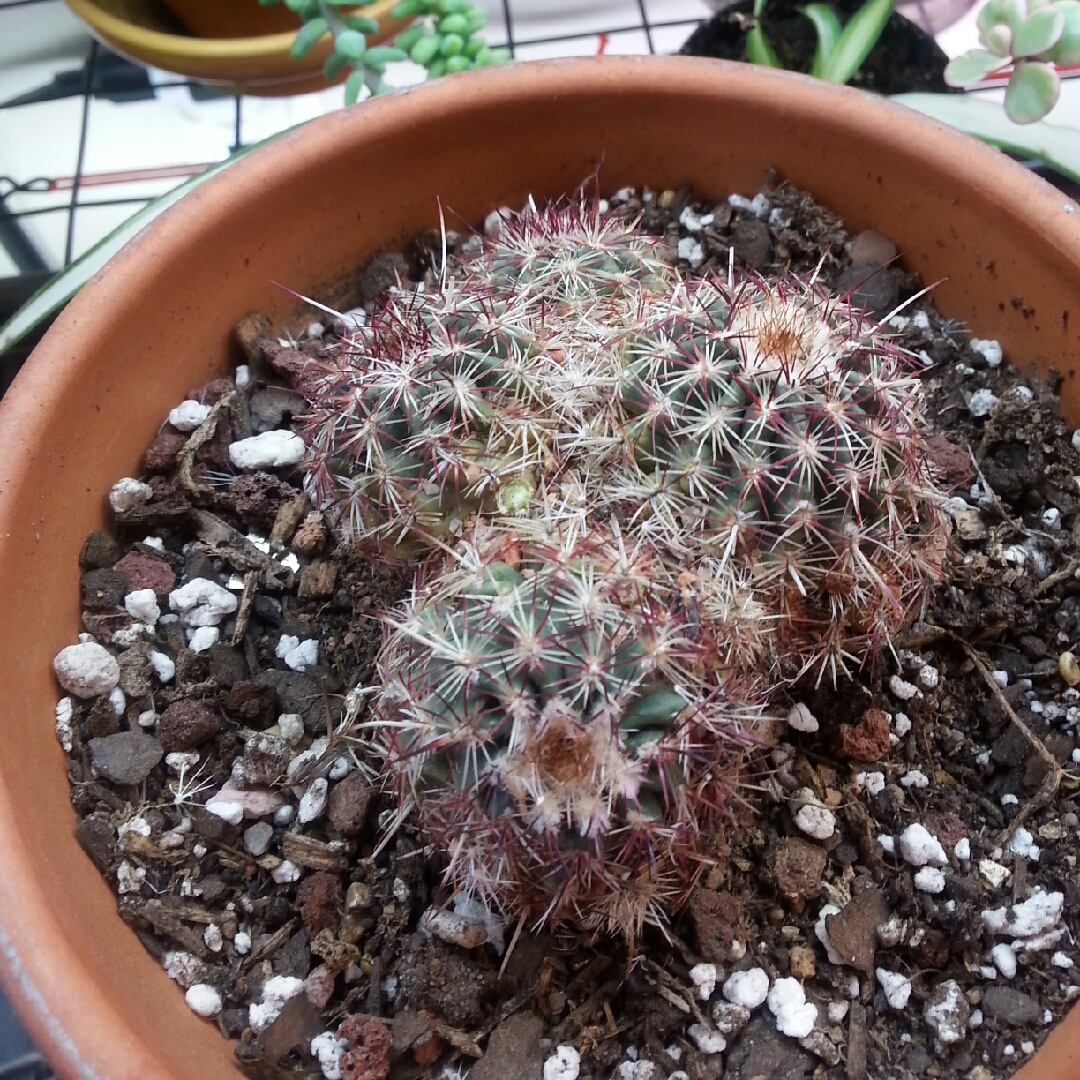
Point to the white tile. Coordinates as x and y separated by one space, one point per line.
670 38
667 11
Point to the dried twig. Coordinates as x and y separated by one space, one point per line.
203 434
1057 577
251 581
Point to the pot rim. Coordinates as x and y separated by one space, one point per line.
82 1036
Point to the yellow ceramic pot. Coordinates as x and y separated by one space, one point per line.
146 32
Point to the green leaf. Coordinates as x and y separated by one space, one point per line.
335 64
307 36
1032 92
1040 31
474 46
52 296
973 67
827 27
859 37
1009 12
296 5
457 64
353 85
437 68
407 8
1053 144
477 19
759 50
426 49
350 43
385 54
1067 49
408 38
362 24
759 8
453 24
452 44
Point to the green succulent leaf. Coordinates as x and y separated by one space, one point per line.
456 64
1067 49
437 68
335 65
998 39
407 8
385 54
362 24
453 24
828 30
351 44
353 85
973 67
296 5
1009 12
1040 31
759 49
408 38
1032 92
426 49
859 37
307 36
452 44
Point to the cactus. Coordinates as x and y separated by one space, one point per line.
567 371
562 727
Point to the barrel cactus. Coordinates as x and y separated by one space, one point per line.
563 728
569 372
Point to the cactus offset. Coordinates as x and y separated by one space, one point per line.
563 729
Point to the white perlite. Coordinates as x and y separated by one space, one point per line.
692 251
188 415
982 402
1039 913
163 666
874 782
270 450
86 670
1004 960
914 778
142 605
822 933
286 872
227 810
242 942
328 1048
276 992
920 848
802 719
1022 843
794 1015
291 727
564 1064
212 938
204 638
896 987
811 816
313 802
202 602
901 688
65 711
298 655
747 988
126 494
947 1012
708 1042
994 872
183 968
703 976
988 349
203 1000
930 880
929 677
962 850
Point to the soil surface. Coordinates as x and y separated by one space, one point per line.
904 60
304 909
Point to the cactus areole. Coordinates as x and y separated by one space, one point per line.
639 503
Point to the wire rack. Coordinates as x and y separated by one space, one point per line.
106 152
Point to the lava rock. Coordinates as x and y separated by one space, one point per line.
251 703
102 720
320 899
99 551
317 580
256 497
160 457
868 740
125 758
146 572
349 804
102 590
186 724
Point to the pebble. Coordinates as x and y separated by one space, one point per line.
65 711
1010 1006
125 758
747 988
203 1000
202 602
86 670
268 450
800 718
126 494
920 848
896 987
962 849
189 415
982 402
257 838
994 872
183 968
1069 668
947 1012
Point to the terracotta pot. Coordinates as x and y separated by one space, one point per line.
307 209
236 18
144 31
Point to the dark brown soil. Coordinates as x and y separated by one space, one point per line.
961 756
905 58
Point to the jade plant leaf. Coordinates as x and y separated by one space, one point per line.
1053 144
1010 13
1038 32
1032 92
1067 48
973 67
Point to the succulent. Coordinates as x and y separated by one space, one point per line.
568 372
1030 35
562 727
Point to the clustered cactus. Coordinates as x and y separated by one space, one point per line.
640 503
